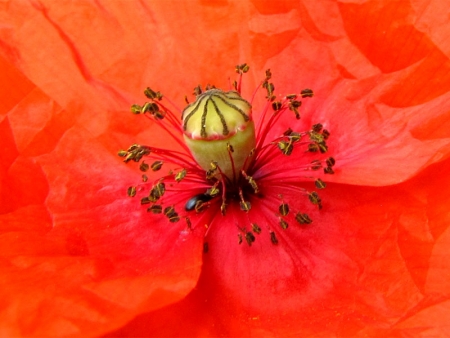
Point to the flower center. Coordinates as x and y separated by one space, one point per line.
218 129
227 162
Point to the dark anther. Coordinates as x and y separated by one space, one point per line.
251 181
198 90
214 165
180 175
144 167
168 211
315 137
136 109
230 149
288 132
157 165
268 74
155 208
157 192
291 96
273 238
245 205
320 184
151 94
256 229
188 222
293 106
159 115
249 237
211 173
200 206
243 68
330 161
325 134
144 178
303 218
213 191
322 147
145 200
276 105
328 170
316 165
313 147
283 209
135 153
192 202
131 191
235 84
315 199
317 127
283 224
270 88
174 218
151 108
307 93
171 214
285 147
295 136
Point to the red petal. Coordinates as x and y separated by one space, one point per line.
382 89
373 74
369 265
389 120
78 256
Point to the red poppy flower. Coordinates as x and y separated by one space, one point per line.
79 257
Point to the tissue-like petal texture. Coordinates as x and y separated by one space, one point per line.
79 258
374 267
378 66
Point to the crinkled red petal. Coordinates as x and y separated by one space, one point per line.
79 257
373 265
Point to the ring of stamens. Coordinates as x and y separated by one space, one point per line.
211 188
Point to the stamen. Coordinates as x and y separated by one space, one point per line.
320 184
315 199
180 175
255 228
144 167
249 237
251 181
223 162
273 238
283 209
131 191
157 165
283 224
303 218
171 214
241 69
155 208
245 205
230 150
